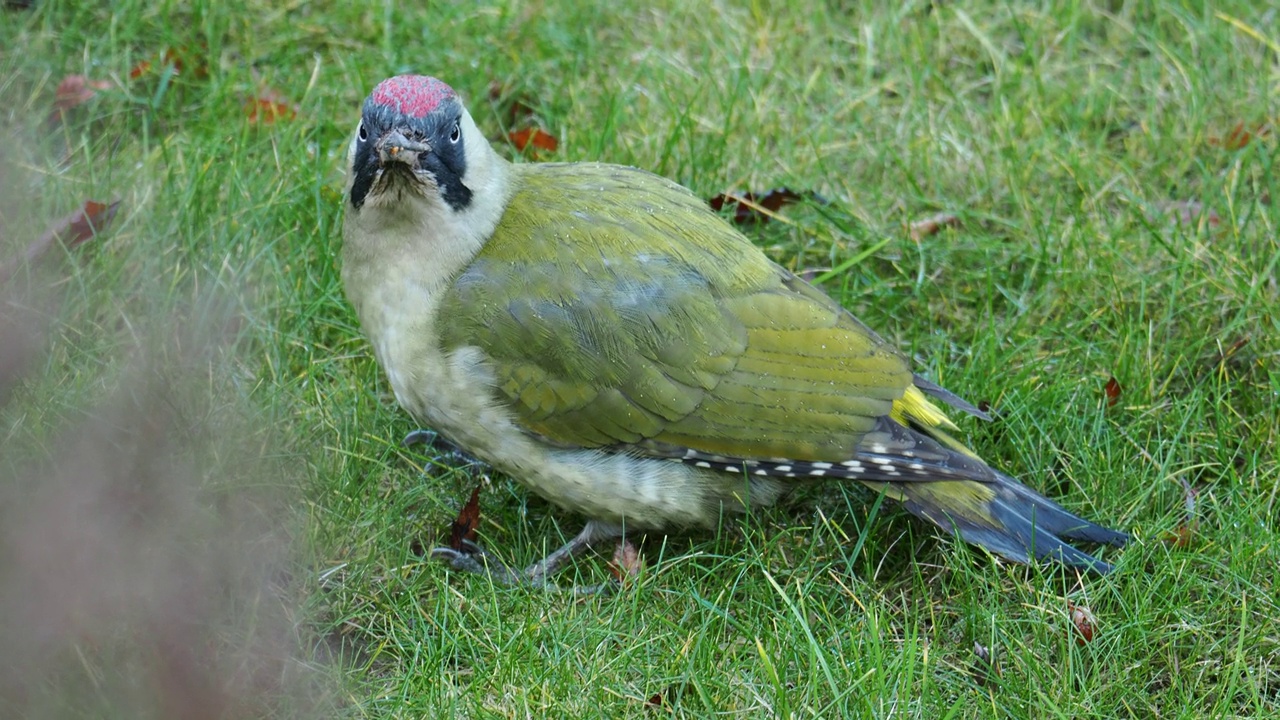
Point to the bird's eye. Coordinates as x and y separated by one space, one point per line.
456 134
362 133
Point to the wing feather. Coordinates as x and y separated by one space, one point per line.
605 326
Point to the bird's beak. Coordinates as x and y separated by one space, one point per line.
394 147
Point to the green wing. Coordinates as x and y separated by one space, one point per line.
632 316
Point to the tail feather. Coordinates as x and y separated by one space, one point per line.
1008 519
984 506
910 457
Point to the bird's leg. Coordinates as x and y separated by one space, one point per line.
538 572
474 559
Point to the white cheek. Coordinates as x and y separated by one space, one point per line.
473 138
351 150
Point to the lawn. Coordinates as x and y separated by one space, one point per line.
205 510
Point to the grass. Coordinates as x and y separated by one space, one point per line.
1068 136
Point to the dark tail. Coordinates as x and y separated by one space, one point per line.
1007 518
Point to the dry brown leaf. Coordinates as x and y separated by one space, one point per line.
513 109
464 527
750 208
70 230
268 107
932 225
1241 135
1083 621
1113 391
1189 213
1184 535
169 57
626 562
72 92
986 667
533 138
669 697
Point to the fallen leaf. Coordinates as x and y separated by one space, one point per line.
1185 534
87 222
1188 213
1083 621
1181 537
1230 356
1112 390
464 527
932 225
535 138
169 58
754 208
513 109
1241 135
626 562
986 667
74 91
809 274
669 696
71 230
268 107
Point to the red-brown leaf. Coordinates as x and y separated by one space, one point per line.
76 90
464 527
669 696
1185 534
626 562
1230 352
268 107
1241 135
1181 537
1083 621
169 57
932 225
1189 213
749 207
986 667
70 230
513 109
1113 391
535 138
88 221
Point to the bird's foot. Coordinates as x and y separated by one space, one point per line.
474 559
422 436
445 451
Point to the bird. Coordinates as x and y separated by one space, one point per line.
598 333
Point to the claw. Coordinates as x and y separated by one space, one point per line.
465 562
446 450
421 436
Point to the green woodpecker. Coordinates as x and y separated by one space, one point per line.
599 334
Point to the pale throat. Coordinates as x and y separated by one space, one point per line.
401 254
